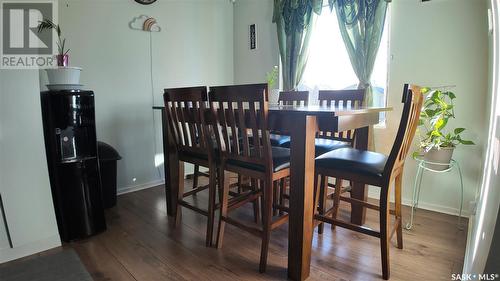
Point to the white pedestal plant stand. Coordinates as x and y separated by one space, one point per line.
424 165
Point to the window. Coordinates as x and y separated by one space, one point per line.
329 67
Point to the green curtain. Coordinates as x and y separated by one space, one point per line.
294 21
361 24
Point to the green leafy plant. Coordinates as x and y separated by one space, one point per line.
47 24
437 110
272 76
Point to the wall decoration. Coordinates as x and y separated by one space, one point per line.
145 23
145 2
253 38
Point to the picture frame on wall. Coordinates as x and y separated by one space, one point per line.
252 36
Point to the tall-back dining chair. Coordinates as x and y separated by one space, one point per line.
292 98
345 98
287 98
378 170
244 144
296 98
185 109
328 141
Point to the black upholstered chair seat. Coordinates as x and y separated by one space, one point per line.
324 145
352 160
281 160
202 156
276 140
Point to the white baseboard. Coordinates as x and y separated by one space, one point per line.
374 193
15 253
134 188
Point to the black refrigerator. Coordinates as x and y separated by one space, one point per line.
71 148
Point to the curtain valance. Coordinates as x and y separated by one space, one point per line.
296 14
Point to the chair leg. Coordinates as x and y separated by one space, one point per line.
211 209
384 234
275 197
399 217
180 194
316 196
195 176
336 199
240 182
282 194
323 190
223 200
315 193
255 203
267 209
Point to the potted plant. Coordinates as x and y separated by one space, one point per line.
271 78
62 56
437 142
63 75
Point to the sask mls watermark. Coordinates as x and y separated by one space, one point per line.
22 47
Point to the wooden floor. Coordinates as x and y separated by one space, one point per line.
140 245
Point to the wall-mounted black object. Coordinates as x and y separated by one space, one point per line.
107 164
71 147
253 37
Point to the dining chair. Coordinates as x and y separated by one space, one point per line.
374 169
328 141
295 98
185 109
289 98
242 115
286 98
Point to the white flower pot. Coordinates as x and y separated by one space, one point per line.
274 96
442 156
64 75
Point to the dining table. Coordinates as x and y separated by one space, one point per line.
301 123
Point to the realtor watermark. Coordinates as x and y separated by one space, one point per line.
474 277
22 46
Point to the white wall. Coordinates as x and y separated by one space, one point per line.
24 179
251 66
194 47
442 42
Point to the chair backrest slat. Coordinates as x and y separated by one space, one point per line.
344 98
185 109
412 105
241 113
242 125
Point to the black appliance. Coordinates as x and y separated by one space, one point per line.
71 147
108 156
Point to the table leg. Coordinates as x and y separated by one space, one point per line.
359 189
171 168
301 197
